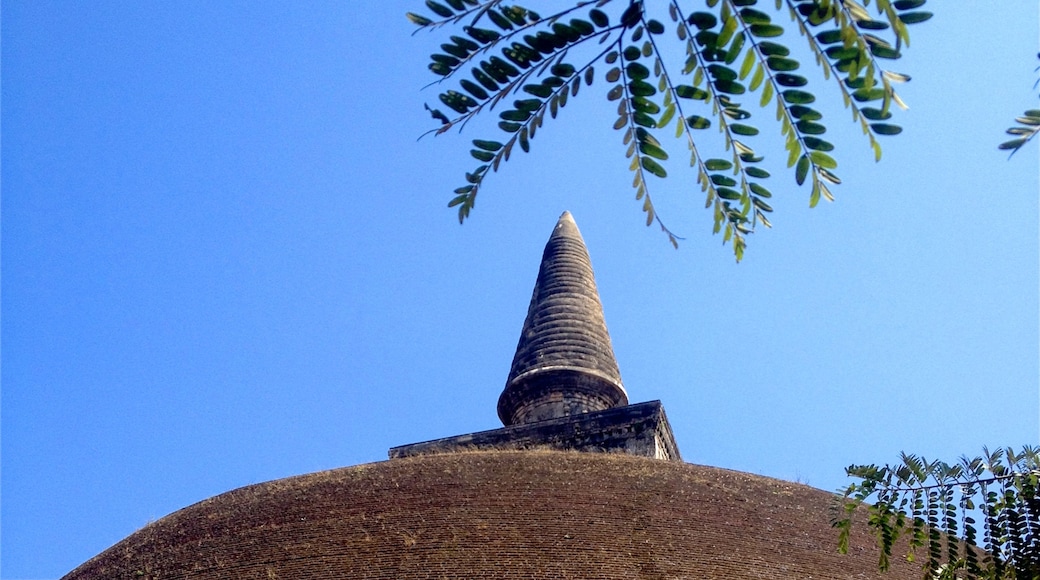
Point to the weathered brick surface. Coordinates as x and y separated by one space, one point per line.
501 515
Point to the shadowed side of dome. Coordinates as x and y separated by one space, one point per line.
564 364
502 515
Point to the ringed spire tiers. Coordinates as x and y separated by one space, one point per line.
564 363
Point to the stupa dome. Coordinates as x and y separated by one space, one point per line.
577 484
503 515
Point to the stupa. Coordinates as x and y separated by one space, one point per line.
576 484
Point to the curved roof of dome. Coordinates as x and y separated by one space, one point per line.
501 515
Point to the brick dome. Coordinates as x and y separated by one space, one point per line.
501 515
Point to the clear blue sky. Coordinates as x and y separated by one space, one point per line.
226 259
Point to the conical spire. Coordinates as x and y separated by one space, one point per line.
564 364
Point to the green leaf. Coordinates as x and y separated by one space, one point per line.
417 19
829 36
756 172
823 160
688 92
1014 143
653 167
637 71
717 164
760 191
698 122
641 88
723 180
509 126
722 73
473 88
515 115
529 105
734 48
702 20
786 80
439 9
654 27
644 105
653 150
486 81
666 117
729 87
810 128
481 35
796 97
886 129
440 68
875 114
781 64
487 145
562 69
643 120
481 155
727 193
499 20
817 144
766 30
773 49
539 90
599 18
803 112
801 170
914 17
583 27
752 16
740 129
884 52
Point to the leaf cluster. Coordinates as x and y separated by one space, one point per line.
936 508
675 68
1028 125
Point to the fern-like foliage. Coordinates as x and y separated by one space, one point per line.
1027 128
936 508
677 79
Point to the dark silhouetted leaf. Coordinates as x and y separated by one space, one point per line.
740 129
886 129
439 9
914 17
817 144
801 170
702 20
653 167
875 114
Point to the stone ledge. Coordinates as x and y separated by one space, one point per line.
641 429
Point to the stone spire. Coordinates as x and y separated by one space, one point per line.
564 364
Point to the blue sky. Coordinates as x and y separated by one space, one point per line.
227 259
